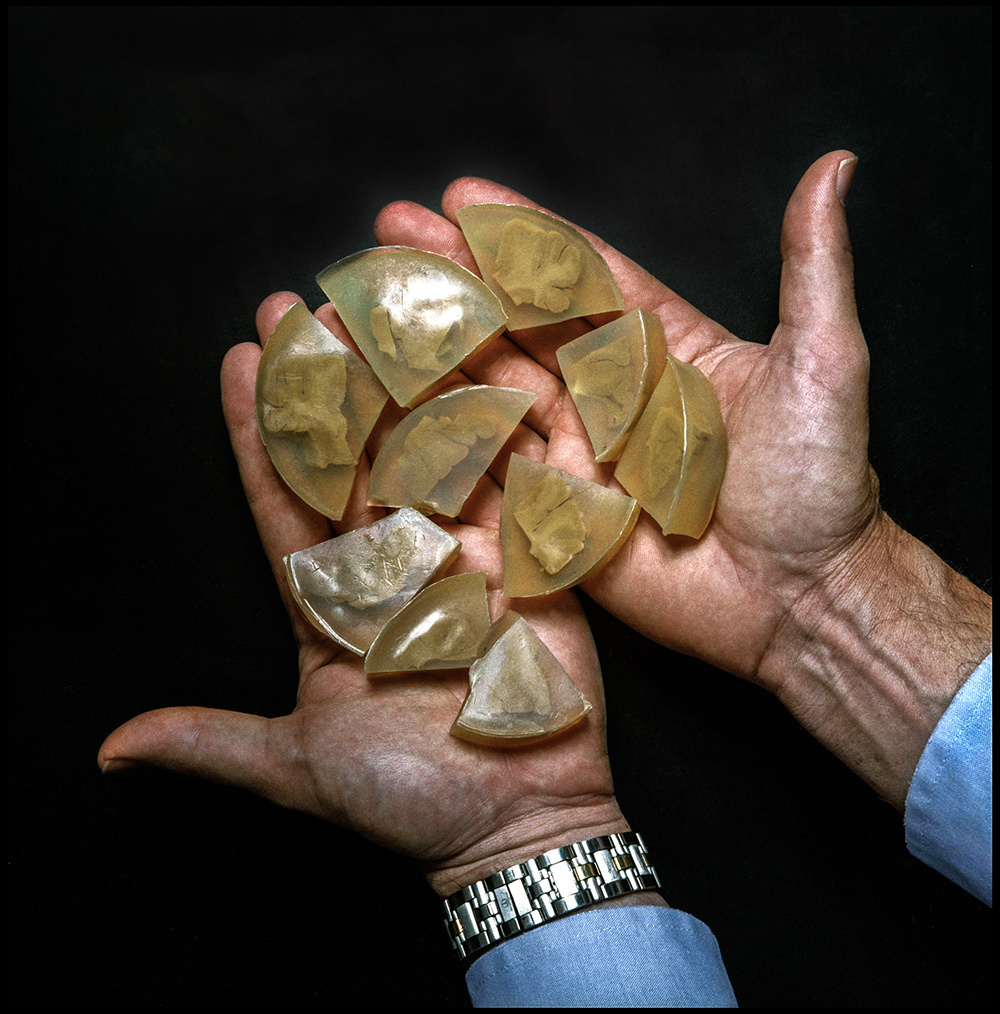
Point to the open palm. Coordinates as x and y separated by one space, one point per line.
375 755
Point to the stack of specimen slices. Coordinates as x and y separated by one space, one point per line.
417 317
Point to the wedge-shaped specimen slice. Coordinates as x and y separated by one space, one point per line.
351 586
542 269
415 316
557 529
676 457
518 691
610 373
436 455
317 402
442 628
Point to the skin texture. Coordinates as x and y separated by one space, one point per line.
800 583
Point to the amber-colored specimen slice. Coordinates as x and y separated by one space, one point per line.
416 316
676 457
442 628
351 586
317 401
436 455
518 691
610 373
542 269
557 529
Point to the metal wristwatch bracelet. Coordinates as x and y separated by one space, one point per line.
542 889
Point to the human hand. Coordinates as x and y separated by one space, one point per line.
376 755
800 583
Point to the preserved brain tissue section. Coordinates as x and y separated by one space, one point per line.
317 402
434 457
442 628
537 266
541 269
610 373
557 529
351 586
551 519
416 316
675 460
518 691
305 394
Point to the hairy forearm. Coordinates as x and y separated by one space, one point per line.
869 659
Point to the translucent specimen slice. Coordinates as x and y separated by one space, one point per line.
415 316
351 586
676 457
557 529
436 455
317 402
442 628
542 270
610 373
518 691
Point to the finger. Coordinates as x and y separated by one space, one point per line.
689 332
404 223
223 746
819 326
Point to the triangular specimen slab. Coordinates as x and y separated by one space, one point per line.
542 270
442 628
518 691
610 373
675 459
416 316
557 529
351 586
433 459
317 401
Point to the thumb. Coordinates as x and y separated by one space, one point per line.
818 316
223 746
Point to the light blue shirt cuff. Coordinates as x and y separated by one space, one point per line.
949 808
633 956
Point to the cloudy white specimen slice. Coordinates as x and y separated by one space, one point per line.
416 316
351 586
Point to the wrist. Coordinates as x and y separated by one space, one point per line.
524 838
872 655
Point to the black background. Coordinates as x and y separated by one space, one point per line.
171 166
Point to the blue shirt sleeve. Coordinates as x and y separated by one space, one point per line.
949 808
632 956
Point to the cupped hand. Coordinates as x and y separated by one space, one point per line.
798 492
800 583
375 755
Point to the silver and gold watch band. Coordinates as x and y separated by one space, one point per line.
550 885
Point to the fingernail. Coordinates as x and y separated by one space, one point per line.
845 176
116 764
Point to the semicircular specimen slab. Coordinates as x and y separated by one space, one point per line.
542 270
442 628
675 460
433 459
316 402
351 586
610 373
416 316
557 529
518 691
